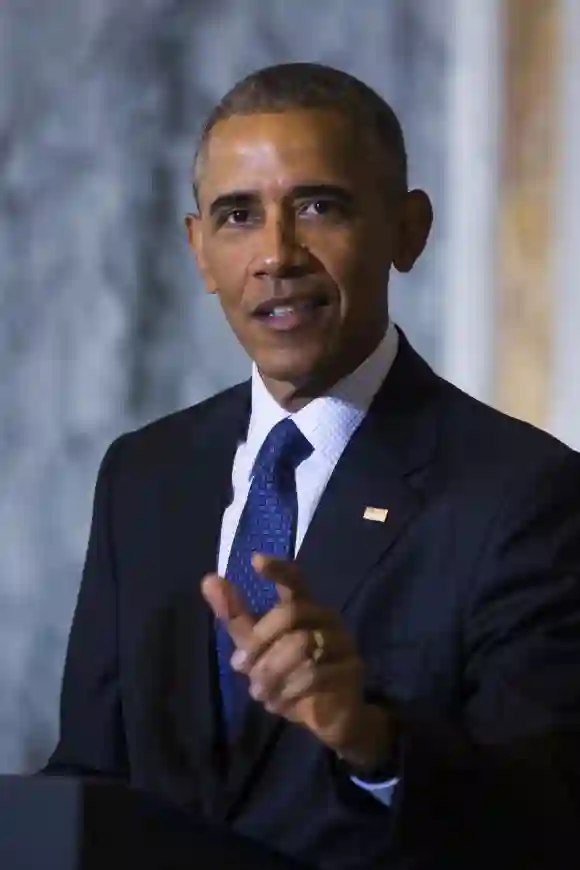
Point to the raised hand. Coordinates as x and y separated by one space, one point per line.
301 662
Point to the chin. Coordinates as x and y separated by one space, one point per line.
296 368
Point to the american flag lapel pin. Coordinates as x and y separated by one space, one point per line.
376 515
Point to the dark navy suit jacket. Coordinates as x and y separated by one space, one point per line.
465 605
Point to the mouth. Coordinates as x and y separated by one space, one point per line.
285 314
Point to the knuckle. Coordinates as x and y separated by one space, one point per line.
262 670
259 672
291 614
306 675
304 643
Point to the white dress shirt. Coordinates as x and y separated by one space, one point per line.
328 422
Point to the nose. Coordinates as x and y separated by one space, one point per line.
280 253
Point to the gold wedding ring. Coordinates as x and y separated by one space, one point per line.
319 646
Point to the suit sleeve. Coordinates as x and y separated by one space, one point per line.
503 785
91 740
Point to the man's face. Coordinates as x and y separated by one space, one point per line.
296 235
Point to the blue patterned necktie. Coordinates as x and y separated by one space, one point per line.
267 525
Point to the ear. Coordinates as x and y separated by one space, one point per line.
415 222
194 229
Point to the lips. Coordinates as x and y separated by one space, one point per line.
291 312
280 305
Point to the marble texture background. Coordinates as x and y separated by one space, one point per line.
104 325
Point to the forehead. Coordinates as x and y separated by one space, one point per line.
278 150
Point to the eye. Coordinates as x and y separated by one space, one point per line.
323 208
236 217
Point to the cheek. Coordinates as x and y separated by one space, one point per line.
358 254
375 259
357 269
337 253
227 268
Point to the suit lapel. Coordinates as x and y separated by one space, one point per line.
200 493
396 438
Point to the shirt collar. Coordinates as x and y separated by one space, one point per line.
329 421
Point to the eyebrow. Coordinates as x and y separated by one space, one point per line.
243 198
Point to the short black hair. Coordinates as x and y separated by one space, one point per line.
312 86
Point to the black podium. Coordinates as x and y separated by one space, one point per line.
59 823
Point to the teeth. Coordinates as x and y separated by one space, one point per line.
282 310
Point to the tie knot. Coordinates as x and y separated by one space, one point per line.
284 449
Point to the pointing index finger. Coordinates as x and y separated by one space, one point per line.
283 573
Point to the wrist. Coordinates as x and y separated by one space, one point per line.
370 745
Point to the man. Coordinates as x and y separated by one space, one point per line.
406 691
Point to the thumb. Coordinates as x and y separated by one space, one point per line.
228 606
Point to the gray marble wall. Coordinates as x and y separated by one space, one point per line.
103 323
